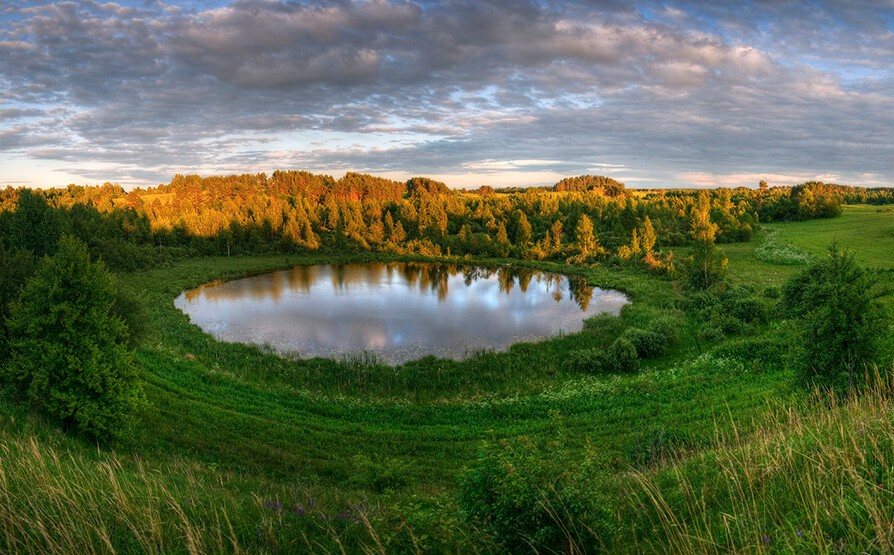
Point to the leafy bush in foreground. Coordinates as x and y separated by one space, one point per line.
528 497
69 355
842 321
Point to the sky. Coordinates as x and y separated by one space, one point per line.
472 92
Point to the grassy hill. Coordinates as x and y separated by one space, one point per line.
708 447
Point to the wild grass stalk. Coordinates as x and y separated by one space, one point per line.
816 477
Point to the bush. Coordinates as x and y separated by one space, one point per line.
646 343
590 361
655 340
530 499
69 355
842 322
748 309
622 356
711 333
667 328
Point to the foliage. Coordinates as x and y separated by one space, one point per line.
623 356
648 343
620 358
706 264
15 270
70 357
524 495
841 320
590 361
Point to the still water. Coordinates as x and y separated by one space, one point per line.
399 311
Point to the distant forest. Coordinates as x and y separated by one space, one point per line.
580 219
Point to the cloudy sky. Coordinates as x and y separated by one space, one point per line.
474 92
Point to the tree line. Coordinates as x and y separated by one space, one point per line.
582 219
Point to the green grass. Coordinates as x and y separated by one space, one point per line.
240 450
816 477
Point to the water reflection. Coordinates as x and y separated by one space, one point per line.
399 311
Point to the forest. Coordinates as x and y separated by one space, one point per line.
587 218
755 355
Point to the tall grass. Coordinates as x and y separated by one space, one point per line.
52 501
58 496
814 478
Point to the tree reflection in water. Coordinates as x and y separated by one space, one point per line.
397 310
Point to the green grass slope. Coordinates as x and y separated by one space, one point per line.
240 450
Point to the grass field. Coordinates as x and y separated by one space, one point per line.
868 231
239 450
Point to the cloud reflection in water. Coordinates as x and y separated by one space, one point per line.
399 311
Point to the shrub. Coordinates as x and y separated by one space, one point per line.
841 320
70 357
659 336
647 343
748 309
590 361
712 333
530 499
622 356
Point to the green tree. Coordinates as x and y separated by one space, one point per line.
70 355
522 228
15 269
842 323
586 243
35 224
706 263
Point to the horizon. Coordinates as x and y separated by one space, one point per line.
657 95
497 188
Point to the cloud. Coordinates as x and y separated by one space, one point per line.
140 90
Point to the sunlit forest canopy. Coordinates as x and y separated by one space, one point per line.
581 219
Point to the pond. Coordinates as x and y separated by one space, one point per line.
396 311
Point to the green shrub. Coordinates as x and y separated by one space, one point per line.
648 344
658 337
748 309
841 321
590 361
69 352
529 498
711 333
622 356
667 328
377 475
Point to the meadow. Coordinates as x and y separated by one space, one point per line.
709 446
